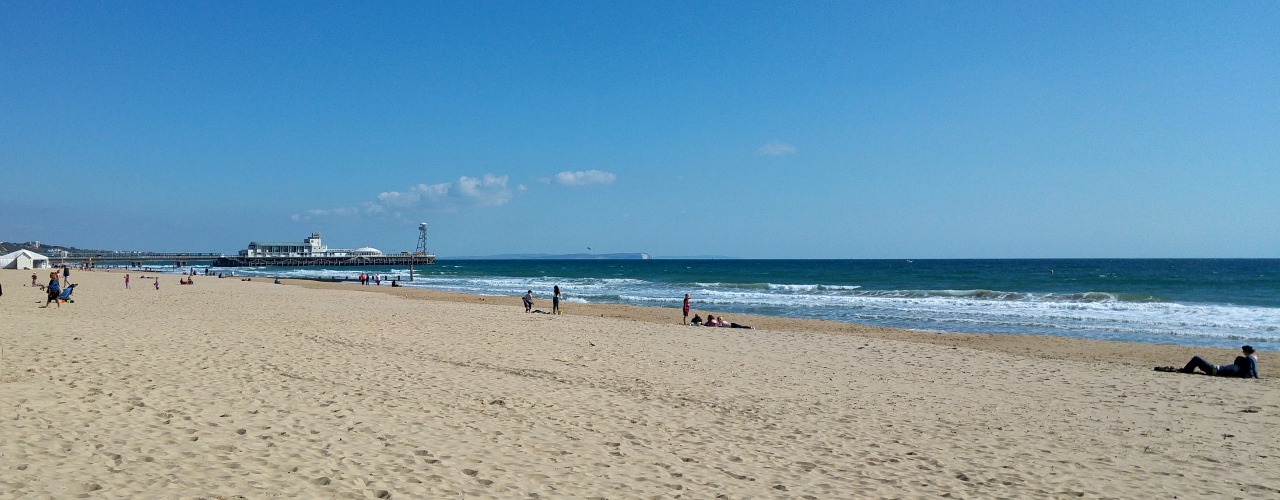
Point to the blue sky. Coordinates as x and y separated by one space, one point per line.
744 129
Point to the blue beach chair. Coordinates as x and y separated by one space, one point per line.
66 293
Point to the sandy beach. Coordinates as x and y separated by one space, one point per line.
318 390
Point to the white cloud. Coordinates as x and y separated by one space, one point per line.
487 191
583 178
776 148
326 212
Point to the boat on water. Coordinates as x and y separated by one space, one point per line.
312 252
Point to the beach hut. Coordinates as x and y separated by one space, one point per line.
23 259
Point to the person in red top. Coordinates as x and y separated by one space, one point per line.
686 308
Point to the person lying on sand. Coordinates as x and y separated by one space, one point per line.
723 323
1244 367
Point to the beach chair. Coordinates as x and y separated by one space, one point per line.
66 293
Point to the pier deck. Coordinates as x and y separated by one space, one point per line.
183 259
360 260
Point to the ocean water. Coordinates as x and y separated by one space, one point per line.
1201 302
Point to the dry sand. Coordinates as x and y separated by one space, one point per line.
315 390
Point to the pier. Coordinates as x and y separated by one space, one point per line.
310 252
183 259
135 259
358 260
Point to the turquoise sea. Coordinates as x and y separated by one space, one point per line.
1203 302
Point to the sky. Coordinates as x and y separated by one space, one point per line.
1079 129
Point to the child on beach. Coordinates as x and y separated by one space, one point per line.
555 300
528 301
53 291
686 308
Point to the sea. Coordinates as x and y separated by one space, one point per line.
1198 302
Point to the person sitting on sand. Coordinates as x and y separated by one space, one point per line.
1244 367
697 320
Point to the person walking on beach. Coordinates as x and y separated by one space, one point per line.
686 309
555 300
528 301
53 291
157 282
126 281
33 279
66 276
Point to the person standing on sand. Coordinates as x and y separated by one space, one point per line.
33 279
686 309
126 281
528 301
53 291
157 282
555 300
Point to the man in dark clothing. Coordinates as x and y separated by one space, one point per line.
1244 367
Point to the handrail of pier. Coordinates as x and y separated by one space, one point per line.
135 255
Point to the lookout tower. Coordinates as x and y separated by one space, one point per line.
422 240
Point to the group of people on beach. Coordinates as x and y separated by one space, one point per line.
57 291
372 279
710 321
156 284
1244 366
555 301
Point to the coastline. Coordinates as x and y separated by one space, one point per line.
311 389
1043 346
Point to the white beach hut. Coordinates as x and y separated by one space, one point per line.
23 259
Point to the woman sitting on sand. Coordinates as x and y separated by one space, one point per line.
1244 367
